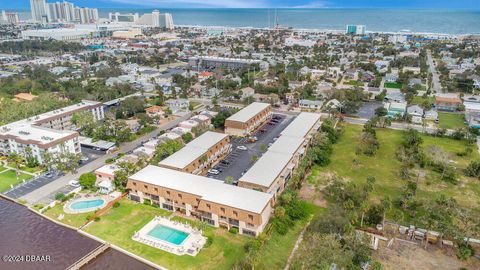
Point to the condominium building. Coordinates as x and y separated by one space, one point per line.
123 17
247 120
200 154
9 18
157 19
210 200
49 132
38 9
355 29
282 157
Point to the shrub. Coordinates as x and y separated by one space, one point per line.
60 197
116 205
88 217
96 219
209 241
233 230
465 251
147 202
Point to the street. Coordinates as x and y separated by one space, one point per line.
44 193
436 86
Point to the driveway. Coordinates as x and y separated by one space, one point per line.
367 110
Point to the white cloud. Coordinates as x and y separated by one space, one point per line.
196 3
314 4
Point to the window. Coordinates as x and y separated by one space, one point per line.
250 217
145 186
179 195
235 213
168 192
208 205
134 183
156 189
223 209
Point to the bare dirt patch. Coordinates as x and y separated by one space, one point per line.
308 193
406 256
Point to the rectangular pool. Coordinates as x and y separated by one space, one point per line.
168 234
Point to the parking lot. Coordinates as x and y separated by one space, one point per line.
239 161
40 181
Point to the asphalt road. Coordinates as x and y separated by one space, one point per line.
436 86
44 193
241 160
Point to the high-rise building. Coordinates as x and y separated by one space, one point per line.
157 19
9 18
355 29
125 17
38 8
61 12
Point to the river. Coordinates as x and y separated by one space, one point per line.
24 233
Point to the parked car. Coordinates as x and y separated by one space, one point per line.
49 174
263 130
74 183
213 172
225 162
241 147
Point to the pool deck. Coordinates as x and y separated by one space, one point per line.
190 246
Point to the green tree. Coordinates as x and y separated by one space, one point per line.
87 180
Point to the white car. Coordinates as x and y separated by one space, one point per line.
241 147
74 183
213 171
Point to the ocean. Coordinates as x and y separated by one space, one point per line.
377 20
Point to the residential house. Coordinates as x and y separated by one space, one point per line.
449 104
310 104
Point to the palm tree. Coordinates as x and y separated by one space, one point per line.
16 159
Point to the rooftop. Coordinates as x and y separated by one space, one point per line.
208 189
248 112
193 150
286 145
259 175
301 125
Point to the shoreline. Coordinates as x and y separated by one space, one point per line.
322 30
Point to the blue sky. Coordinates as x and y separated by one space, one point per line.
462 4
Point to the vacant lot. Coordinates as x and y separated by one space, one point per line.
451 120
384 166
393 85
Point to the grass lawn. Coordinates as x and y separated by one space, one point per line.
118 225
9 178
393 85
451 120
75 220
355 83
195 104
421 100
384 166
276 250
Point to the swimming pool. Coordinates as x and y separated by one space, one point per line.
168 234
87 205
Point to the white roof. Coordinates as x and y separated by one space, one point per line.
248 112
208 189
259 174
301 125
193 150
286 145
109 169
207 140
